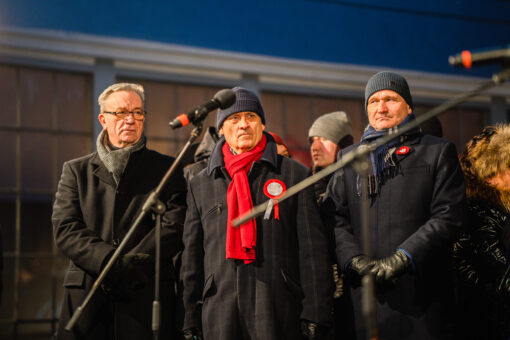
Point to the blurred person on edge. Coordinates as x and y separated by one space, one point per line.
268 278
417 196
98 198
482 251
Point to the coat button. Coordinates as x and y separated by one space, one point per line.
116 242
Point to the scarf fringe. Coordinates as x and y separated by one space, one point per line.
384 159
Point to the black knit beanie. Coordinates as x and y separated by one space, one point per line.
388 81
245 101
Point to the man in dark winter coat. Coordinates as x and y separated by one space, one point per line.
98 198
328 134
417 196
269 278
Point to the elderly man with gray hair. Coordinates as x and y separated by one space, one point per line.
98 198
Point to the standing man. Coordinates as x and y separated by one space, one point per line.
269 278
329 134
417 195
98 198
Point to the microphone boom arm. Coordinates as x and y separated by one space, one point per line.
364 150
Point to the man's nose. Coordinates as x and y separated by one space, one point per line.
130 119
381 106
243 122
316 145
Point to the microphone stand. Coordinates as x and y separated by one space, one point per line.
154 205
361 165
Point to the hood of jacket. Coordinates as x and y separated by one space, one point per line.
486 155
206 146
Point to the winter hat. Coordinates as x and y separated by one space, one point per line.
388 81
246 100
278 139
333 126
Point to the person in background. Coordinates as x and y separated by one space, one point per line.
98 198
417 195
281 146
202 153
269 278
481 252
330 133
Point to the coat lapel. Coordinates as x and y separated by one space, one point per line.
101 172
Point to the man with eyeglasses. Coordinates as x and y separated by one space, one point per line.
98 198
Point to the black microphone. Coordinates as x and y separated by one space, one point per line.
222 99
479 57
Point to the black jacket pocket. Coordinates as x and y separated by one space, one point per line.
74 279
209 288
293 286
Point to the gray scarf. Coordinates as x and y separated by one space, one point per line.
114 159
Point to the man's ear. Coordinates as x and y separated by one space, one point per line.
102 120
263 127
221 131
409 110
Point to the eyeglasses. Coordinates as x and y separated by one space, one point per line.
137 114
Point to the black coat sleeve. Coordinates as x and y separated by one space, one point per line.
74 239
174 198
336 209
314 260
192 271
447 209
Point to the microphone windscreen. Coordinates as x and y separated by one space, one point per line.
225 97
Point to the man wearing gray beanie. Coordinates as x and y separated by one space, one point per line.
417 194
268 278
328 134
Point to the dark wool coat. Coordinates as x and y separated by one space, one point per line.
291 277
91 215
419 210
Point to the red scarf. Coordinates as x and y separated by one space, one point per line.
241 241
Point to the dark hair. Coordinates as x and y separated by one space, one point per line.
345 141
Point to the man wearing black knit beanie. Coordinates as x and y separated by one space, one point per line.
267 279
417 195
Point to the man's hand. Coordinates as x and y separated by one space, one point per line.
127 275
361 265
192 334
312 330
390 268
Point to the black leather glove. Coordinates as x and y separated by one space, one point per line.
129 273
192 334
312 330
361 265
390 268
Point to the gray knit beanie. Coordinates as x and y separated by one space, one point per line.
333 126
385 80
245 101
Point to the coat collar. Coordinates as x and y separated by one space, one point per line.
101 171
216 160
